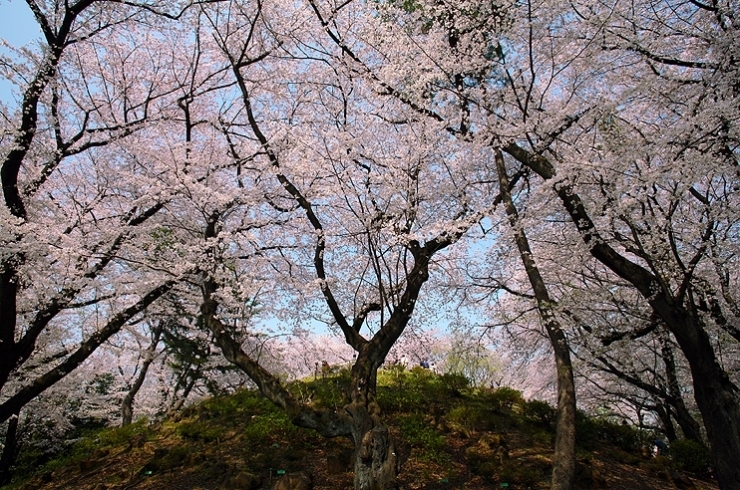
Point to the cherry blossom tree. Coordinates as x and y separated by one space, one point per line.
97 78
527 79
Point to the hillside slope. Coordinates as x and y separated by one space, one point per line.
449 436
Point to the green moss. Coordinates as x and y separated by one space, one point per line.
200 431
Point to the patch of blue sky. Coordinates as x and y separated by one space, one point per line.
18 28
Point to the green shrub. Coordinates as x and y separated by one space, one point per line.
540 412
472 416
200 431
691 455
542 438
265 428
454 382
504 398
417 432
591 430
413 390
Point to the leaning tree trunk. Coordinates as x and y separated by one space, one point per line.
564 458
717 397
127 405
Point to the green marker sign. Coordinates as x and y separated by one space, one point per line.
280 472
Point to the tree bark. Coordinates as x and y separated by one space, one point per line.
716 396
29 391
663 410
563 461
127 406
689 426
10 450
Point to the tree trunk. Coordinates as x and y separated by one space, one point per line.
689 426
10 450
716 396
564 458
376 463
127 406
663 409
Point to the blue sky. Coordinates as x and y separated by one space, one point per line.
17 27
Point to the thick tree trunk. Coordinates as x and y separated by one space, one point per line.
10 450
564 459
716 396
376 463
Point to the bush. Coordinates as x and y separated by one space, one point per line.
472 416
200 431
591 430
267 427
413 390
417 432
540 412
454 382
505 398
691 455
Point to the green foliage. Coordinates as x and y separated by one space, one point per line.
414 390
543 438
472 415
271 426
418 432
590 431
31 460
504 398
323 392
200 431
429 413
454 382
242 403
472 361
540 412
691 455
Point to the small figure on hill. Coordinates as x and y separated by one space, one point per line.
404 361
433 367
325 369
424 363
660 448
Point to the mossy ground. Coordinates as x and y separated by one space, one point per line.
448 436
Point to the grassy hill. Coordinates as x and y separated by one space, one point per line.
448 436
